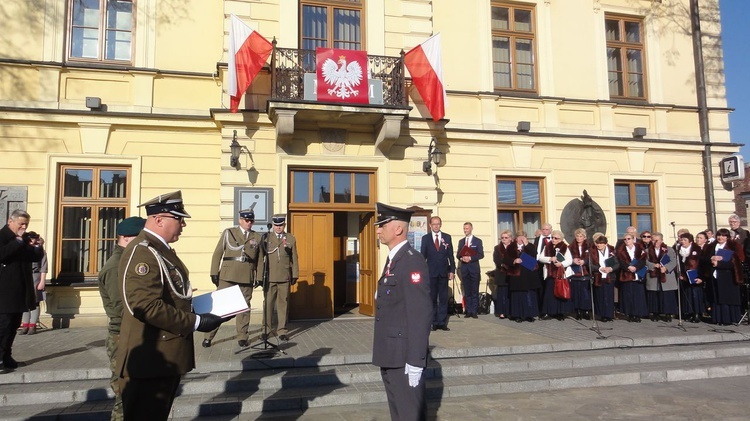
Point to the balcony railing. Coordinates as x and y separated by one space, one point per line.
289 65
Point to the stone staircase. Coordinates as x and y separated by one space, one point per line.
253 386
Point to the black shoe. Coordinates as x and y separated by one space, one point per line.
10 363
695 319
284 338
443 327
653 317
242 343
668 318
544 317
560 317
637 319
518 320
578 315
530 319
474 316
206 343
606 319
434 328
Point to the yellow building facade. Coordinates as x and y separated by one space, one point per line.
545 99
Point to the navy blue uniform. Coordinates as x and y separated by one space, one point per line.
402 330
440 263
470 274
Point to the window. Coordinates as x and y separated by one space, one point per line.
625 57
91 202
332 187
520 204
101 30
635 205
513 47
331 24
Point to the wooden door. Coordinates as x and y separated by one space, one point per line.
368 272
312 296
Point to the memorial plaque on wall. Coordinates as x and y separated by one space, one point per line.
12 198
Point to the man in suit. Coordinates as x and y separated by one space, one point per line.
437 249
280 249
470 252
234 262
156 336
403 316
109 290
17 251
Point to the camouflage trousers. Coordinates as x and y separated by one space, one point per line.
112 338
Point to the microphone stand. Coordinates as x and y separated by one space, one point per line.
265 282
678 270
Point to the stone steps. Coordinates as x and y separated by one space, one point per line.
248 391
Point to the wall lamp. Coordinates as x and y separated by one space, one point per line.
236 150
639 132
433 156
523 126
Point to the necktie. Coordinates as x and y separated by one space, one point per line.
437 243
546 240
386 267
247 234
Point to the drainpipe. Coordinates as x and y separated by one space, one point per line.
700 89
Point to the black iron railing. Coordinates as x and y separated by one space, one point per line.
289 65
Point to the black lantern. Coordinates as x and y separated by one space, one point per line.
236 150
433 156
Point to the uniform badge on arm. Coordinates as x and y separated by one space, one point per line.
416 277
141 269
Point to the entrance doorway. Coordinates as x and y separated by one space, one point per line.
337 252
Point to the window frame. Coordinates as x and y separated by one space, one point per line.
624 46
514 35
102 45
331 5
95 202
332 205
633 209
519 207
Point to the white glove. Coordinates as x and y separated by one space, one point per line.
414 374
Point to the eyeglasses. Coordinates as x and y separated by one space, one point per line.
179 219
248 219
556 238
645 236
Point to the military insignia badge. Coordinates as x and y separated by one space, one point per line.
141 269
416 277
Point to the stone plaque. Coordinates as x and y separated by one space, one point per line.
12 198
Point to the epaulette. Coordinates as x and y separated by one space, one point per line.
143 243
410 252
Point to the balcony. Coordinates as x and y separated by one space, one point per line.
293 102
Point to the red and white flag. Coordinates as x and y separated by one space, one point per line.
425 66
248 52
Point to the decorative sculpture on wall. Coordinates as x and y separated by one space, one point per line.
582 213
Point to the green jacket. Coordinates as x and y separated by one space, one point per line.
109 289
235 258
283 263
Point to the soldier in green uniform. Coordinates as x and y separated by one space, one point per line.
233 263
156 336
109 289
280 249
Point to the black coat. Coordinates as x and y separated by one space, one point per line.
403 314
16 279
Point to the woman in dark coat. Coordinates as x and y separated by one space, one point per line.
632 259
604 265
555 268
580 281
689 255
522 282
502 296
726 276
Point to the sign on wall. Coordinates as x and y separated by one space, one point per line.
12 198
732 168
260 200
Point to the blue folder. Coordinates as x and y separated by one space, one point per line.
692 275
726 254
527 261
640 272
665 260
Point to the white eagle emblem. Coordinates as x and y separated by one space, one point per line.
416 277
343 77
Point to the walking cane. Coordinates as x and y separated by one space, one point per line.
595 326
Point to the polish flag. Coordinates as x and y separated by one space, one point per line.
248 52
425 66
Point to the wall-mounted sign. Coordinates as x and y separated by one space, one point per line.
260 200
732 168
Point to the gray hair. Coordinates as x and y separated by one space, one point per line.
19 213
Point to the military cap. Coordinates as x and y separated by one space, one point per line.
130 227
247 214
388 213
279 219
166 203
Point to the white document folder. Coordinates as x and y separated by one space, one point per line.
224 302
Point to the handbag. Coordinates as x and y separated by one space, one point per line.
562 288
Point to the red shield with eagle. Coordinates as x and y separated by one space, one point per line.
342 75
